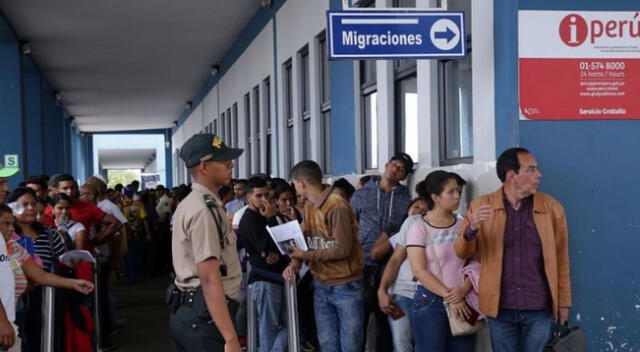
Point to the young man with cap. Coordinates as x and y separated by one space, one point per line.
205 258
380 207
5 173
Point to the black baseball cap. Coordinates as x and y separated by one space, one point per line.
207 147
406 160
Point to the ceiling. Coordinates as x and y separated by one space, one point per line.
127 64
125 158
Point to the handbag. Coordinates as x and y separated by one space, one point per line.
567 339
458 327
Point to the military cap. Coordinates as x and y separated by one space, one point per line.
206 147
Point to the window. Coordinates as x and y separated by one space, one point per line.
306 139
456 118
406 93
234 136
256 124
215 127
305 103
369 113
227 131
304 81
325 102
247 129
223 126
288 114
267 114
235 125
407 115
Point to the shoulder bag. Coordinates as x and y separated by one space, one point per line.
458 327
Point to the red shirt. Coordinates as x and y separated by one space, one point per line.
81 212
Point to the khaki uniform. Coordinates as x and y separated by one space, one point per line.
196 238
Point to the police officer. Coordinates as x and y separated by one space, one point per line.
205 259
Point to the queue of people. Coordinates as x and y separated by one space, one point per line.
78 239
384 272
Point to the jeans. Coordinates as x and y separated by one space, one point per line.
430 325
339 316
380 337
401 328
272 315
520 330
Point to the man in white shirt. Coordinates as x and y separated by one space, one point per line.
7 282
241 196
163 208
7 295
99 186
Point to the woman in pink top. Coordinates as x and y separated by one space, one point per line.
438 228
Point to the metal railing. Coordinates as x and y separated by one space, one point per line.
48 318
291 294
293 327
96 305
49 315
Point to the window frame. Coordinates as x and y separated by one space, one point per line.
442 114
324 88
368 87
288 118
266 98
247 130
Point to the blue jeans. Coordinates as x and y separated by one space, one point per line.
339 316
272 315
430 325
520 330
401 328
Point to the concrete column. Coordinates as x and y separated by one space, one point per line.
11 131
343 113
34 150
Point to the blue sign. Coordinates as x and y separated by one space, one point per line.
373 34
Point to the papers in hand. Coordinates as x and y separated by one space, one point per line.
77 256
288 236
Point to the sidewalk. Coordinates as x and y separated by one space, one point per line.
147 317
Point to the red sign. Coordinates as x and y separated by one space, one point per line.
579 66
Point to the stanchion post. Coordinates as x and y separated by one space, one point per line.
96 306
48 318
291 295
252 338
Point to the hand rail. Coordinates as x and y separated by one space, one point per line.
291 295
48 318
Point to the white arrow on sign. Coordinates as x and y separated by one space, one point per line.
444 34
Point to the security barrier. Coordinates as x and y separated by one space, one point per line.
96 305
291 295
48 319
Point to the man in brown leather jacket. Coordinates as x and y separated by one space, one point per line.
520 237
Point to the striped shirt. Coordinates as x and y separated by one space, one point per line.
43 247
18 257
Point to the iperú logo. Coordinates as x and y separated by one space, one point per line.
574 29
531 111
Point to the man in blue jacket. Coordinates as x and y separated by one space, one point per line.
381 207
